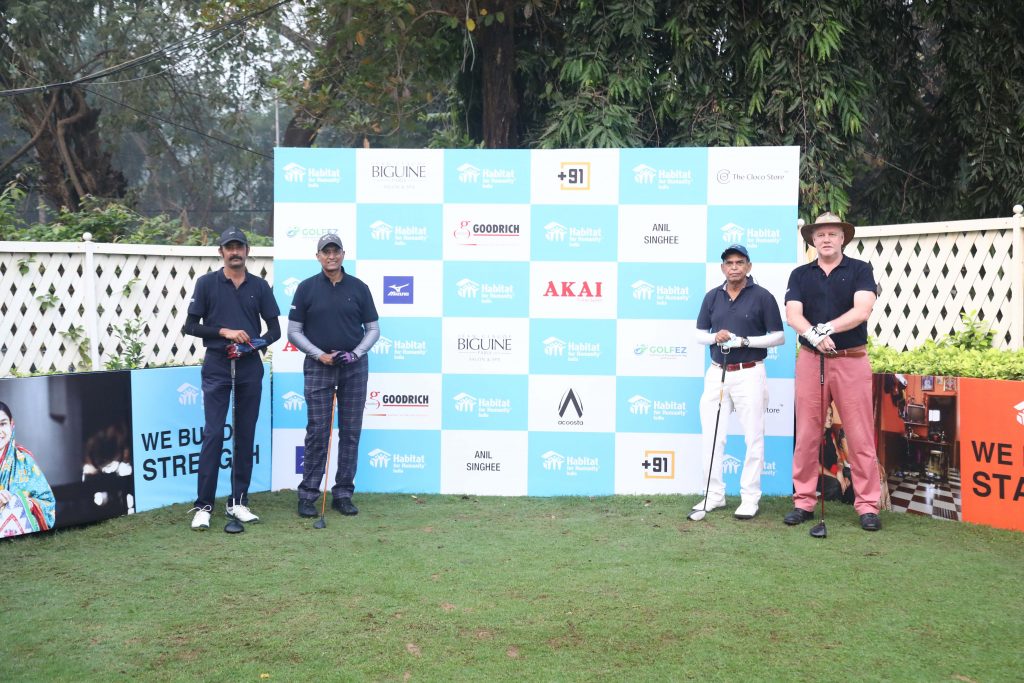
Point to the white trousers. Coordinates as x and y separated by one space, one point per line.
746 392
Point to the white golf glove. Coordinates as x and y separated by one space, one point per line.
824 329
813 336
732 342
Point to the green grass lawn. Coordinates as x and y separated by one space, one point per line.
442 588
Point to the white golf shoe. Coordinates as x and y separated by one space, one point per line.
201 521
713 504
242 514
746 510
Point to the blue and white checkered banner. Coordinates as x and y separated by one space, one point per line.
537 311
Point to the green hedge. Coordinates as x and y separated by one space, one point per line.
967 353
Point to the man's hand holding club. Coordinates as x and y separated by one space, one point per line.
820 337
239 349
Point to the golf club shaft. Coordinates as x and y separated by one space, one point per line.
327 465
234 433
714 438
821 435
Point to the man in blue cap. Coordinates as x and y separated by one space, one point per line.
739 320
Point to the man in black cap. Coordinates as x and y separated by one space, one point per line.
739 320
332 320
225 311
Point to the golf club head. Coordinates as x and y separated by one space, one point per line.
234 527
697 515
819 530
320 524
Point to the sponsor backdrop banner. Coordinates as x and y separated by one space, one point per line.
538 310
167 435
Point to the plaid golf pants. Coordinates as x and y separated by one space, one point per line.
320 383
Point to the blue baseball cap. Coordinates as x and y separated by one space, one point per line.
736 248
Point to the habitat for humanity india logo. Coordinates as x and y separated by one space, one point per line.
398 462
644 174
399 349
484 292
481 406
486 178
734 233
188 395
570 350
311 176
572 235
571 465
399 235
657 410
661 295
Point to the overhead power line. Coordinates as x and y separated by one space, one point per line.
144 59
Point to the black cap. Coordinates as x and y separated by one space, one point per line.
737 248
233 235
329 238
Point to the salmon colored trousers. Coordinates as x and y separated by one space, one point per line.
848 383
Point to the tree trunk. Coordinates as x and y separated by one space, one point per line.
69 151
500 97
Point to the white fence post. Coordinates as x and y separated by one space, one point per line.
92 315
1017 294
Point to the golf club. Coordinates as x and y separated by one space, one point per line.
233 526
322 523
819 530
698 515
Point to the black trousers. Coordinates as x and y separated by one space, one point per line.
216 376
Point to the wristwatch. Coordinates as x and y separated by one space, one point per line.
746 342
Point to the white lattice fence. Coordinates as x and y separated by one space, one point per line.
930 273
59 302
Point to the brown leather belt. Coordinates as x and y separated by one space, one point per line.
731 367
855 352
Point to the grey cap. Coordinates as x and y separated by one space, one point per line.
329 238
737 248
233 235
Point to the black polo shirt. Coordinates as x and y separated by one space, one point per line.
333 315
753 313
219 303
826 297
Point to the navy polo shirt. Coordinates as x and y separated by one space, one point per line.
826 297
219 303
333 315
753 313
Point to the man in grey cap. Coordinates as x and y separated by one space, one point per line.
225 313
739 320
332 320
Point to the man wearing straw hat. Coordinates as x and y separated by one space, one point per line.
828 302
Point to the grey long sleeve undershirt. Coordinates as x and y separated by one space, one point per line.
297 336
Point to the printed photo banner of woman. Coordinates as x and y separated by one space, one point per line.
78 429
27 504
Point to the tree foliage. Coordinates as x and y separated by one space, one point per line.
155 134
904 110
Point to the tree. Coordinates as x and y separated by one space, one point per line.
156 129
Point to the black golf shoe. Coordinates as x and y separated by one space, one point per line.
345 506
869 521
307 508
797 516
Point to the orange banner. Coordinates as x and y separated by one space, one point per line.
992 452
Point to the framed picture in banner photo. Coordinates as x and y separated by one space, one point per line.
927 383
